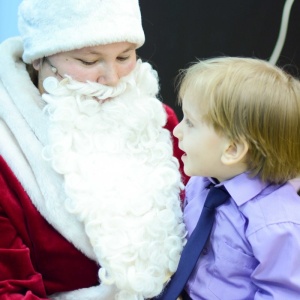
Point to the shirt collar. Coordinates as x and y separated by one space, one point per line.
242 187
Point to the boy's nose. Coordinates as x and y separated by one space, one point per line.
177 131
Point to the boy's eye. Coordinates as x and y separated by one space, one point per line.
188 123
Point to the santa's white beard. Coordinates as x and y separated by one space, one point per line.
120 177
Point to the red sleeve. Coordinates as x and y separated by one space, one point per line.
172 121
35 259
18 279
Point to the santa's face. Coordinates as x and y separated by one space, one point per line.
105 64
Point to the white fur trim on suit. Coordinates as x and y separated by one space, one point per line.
52 26
23 135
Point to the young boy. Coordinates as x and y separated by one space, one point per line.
241 130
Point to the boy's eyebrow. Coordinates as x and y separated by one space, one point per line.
186 113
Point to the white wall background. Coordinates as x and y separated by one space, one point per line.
8 18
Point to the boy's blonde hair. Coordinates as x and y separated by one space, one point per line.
250 99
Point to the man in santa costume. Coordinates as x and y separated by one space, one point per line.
89 185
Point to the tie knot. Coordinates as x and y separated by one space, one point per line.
216 197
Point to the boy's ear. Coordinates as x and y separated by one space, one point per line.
234 152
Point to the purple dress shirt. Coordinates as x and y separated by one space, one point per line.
254 247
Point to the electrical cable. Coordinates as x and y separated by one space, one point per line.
282 33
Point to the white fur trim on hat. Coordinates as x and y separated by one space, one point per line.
52 26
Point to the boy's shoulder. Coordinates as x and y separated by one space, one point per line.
274 204
259 202
273 209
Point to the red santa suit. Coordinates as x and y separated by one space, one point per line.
45 251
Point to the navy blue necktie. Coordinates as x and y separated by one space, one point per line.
192 250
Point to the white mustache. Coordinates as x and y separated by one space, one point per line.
91 89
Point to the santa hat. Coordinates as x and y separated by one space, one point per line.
52 26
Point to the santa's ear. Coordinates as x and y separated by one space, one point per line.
234 152
37 64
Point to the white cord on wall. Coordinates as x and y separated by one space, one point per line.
282 33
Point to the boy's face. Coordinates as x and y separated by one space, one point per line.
203 147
